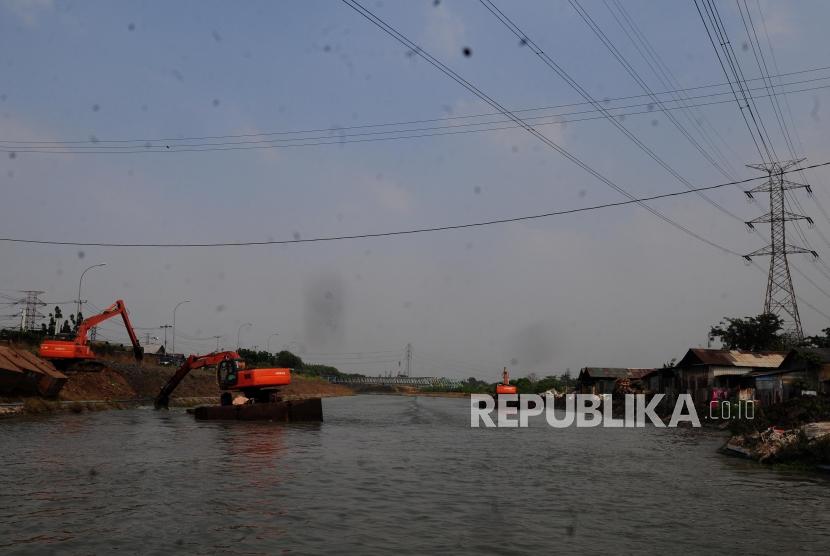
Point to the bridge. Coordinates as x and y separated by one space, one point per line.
401 380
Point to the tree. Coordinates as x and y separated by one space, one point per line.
289 360
818 341
761 333
66 329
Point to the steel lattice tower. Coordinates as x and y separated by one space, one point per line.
780 298
30 314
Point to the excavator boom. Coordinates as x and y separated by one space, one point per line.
231 374
78 349
193 362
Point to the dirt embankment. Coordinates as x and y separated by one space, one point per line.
123 382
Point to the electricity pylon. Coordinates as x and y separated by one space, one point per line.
780 298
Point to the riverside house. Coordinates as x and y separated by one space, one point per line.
603 380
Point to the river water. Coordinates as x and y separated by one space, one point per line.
389 474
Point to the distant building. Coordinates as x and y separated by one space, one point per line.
803 370
603 380
709 374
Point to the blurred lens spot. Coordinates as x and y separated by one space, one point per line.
81 254
467 51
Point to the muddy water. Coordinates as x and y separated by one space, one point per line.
389 474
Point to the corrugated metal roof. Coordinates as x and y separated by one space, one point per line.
736 358
20 360
615 372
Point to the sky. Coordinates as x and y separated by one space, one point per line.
613 287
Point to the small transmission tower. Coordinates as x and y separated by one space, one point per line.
30 313
780 298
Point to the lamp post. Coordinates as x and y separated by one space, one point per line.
269 340
165 327
78 312
173 347
239 331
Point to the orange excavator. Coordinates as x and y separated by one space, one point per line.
257 385
505 387
76 353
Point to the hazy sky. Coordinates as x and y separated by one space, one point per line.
615 287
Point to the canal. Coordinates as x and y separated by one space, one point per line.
389 474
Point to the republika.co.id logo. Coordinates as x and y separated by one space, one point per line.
581 410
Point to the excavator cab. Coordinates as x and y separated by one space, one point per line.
227 372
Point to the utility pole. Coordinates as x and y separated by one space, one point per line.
165 327
217 338
408 360
780 296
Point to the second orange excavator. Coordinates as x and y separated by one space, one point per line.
260 389
76 354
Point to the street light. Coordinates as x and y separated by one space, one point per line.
269 340
239 331
165 327
78 312
173 347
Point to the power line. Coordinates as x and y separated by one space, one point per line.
432 131
669 81
340 129
560 71
399 232
780 297
395 34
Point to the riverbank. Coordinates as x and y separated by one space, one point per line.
400 390
796 432
122 384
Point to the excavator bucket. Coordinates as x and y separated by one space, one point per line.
138 352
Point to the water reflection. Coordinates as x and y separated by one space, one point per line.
388 474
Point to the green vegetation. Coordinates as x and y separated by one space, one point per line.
761 333
291 361
524 385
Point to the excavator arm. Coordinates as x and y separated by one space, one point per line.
162 400
77 350
117 308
